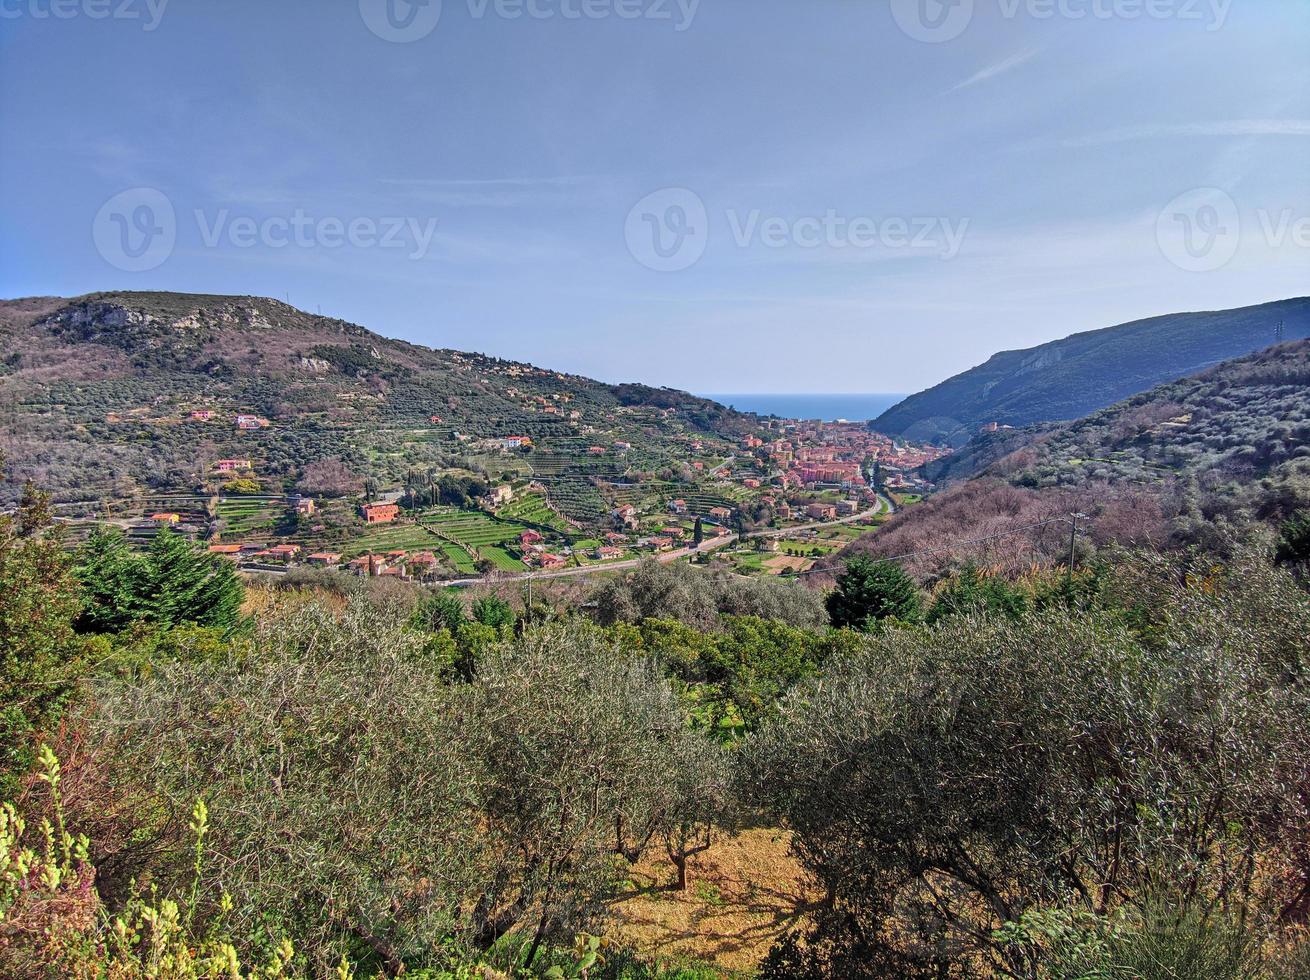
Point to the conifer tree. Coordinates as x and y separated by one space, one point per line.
110 575
869 591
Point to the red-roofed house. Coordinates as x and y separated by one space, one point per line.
380 513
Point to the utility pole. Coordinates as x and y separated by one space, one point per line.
1073 538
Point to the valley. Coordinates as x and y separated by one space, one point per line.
283 440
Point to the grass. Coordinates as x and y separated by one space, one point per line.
531 509
459 558
241 515
744 894
502 559
397 537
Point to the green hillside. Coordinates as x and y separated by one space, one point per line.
1069 378
98 397
1240 430
1179 465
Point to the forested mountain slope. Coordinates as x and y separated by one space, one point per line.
97 395
1176 464
1069 378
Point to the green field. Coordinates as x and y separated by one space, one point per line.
393 537
241 515
502 559
531 509
458 557
479 534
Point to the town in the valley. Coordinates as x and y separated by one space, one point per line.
771 503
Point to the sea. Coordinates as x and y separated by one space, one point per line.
827 406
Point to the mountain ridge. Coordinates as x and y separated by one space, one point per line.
95 389
1071 377
1168 467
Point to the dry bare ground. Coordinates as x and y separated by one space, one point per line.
743 894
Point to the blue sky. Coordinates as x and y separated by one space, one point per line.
844 200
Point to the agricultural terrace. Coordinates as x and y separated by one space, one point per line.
531 508
242 515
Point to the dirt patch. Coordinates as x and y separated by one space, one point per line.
743 894
783 562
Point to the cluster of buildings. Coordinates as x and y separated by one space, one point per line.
508 443
833 454
246 422
535 552
398 564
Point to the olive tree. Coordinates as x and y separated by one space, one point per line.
581 751
940 782
341 801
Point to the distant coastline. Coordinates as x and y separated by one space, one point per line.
825 406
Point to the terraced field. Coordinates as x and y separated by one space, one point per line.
532 509
577 499
502 559
478 534
699 500
460 558
241 515
393 537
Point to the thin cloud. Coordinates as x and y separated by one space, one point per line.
999 68
500 192
1230 127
